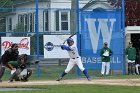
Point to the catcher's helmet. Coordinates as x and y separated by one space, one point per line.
23 56
69 40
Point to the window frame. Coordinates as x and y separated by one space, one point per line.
45 21
61 21
9 24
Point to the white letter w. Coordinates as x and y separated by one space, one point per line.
105 26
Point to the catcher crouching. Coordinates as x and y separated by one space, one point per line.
20 68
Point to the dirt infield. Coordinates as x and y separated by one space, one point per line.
123 82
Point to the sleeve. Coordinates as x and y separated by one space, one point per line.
5 56
13 63
64 47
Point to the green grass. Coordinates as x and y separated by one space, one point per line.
46 73
80 89
53 72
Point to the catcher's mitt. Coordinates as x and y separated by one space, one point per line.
36 62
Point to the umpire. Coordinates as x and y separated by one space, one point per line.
9 55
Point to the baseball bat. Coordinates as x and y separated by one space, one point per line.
69 37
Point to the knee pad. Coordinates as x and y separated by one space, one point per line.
29 71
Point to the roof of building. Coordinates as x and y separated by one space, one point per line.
18 2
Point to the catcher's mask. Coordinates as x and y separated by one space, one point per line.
69 40
23 56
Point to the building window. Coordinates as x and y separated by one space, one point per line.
27 21
57 20
31 22
46 21
24 21
9 24
62 20
20 19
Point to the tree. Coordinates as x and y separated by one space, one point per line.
33 44
5 7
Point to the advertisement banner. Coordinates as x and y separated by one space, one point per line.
23 44
52 46
97 28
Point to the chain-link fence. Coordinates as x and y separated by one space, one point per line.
38 18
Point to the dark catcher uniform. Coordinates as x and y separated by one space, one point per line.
20 68
9 55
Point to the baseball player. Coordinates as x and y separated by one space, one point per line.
105 53
74 59
19 68
9 55
131 57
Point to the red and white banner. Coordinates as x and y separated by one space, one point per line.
23 44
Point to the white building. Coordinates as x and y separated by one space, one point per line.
54 15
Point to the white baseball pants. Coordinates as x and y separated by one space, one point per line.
105 66
72 62
137 68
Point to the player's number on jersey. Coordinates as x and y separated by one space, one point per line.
73 52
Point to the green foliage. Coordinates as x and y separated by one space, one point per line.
19 28
6 6
2 24
34 44
6 3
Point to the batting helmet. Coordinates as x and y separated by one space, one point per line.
69 40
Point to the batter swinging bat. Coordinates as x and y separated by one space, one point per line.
69 37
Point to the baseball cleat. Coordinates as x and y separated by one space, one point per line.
24 80
17 79
88 79
10 81
59 79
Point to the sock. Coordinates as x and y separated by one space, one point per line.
86 74
63 74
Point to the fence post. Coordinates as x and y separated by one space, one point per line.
37 39
123 30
